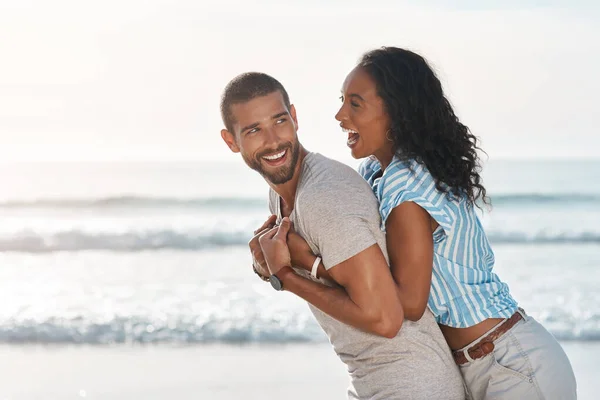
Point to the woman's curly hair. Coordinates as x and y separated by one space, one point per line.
423 124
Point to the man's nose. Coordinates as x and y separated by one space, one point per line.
271 137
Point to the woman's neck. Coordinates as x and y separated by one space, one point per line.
384 156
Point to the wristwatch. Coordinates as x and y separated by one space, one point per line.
277 279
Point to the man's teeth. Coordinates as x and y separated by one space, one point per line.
349 130
352 140
274 156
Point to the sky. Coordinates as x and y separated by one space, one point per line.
141 80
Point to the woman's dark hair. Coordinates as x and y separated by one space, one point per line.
423 124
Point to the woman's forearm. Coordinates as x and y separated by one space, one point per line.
321 271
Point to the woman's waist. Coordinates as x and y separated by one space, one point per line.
468 304
463 321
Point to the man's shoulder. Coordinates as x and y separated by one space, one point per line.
332 184
318 163
323 171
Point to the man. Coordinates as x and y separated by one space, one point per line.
335 211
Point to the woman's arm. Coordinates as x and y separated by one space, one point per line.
303 257
410 249
409 241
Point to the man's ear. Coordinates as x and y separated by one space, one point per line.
229 139
293 114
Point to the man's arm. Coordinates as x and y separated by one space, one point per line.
367 299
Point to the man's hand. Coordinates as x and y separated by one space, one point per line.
257 254
274 246
269 223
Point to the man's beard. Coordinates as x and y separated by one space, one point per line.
284 173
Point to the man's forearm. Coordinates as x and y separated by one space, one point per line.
336 302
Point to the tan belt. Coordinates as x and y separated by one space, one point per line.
486 345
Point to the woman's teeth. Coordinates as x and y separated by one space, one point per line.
352 136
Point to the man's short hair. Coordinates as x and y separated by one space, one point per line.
246 87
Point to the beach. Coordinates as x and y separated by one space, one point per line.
125 270
216 372
137 284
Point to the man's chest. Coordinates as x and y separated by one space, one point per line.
285 211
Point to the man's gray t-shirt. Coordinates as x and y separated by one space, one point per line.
336 212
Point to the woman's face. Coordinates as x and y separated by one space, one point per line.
363 116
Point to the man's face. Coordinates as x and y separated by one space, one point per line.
264 132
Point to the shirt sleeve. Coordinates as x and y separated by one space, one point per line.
402 184
339 220
365 169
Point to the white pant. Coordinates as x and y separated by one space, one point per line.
527 364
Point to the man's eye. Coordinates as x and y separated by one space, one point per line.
353 104
253 130
281 120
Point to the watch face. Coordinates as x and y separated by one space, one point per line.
275 282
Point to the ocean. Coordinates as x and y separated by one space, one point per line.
131 253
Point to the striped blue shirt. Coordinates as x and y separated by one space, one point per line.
464 290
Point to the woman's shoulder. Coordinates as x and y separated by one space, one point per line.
368 167
405 174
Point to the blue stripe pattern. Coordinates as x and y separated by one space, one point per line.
464 290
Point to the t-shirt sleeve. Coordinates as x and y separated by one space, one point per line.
339 219
401 185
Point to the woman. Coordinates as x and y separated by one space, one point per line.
423 167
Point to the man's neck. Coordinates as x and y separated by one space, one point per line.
287 191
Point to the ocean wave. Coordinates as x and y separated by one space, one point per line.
544 237
137 202
544 199
128 202
75 240
126 241
144 330
122 330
